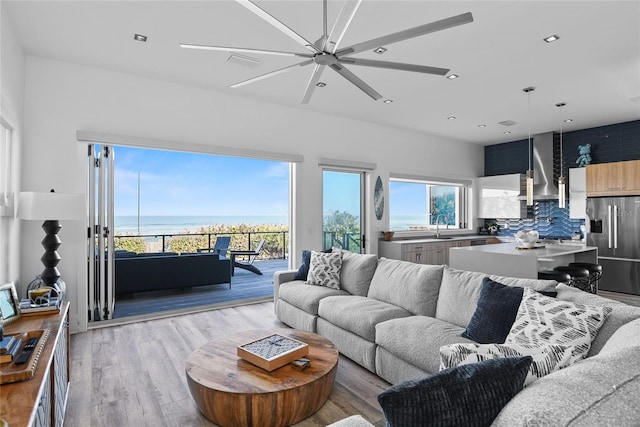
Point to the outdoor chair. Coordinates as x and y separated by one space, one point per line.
246 265
221 246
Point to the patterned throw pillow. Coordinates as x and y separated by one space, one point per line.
546 358
468 395
496 311
303 270
324 269
543 320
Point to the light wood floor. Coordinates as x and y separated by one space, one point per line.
134 374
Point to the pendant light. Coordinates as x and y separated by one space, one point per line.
528 91
561 179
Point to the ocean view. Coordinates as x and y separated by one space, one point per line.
128 224
157 224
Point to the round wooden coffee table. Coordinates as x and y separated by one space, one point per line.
230 391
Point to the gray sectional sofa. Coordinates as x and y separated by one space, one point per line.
392 317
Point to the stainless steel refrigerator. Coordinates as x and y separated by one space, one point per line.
615 229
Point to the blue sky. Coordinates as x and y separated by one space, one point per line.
178 183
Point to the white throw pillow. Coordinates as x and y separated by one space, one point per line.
546 358
324 269
544 320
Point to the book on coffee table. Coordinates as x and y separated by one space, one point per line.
273 351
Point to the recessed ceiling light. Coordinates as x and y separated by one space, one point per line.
140 37
551 39
380 50
321 84
506 132
452 76
482 126
451 118
568 120
388 101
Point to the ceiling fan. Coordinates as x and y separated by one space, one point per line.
326 51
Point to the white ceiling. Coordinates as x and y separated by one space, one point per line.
594 67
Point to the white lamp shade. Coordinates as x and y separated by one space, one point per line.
51 206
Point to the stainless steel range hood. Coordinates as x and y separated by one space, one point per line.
543 186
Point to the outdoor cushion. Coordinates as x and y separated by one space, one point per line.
411 286
357 314
306 297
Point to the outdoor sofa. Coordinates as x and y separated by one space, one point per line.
392 317
166 270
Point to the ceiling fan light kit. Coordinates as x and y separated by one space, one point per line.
326 52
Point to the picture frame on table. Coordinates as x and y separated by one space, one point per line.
9 303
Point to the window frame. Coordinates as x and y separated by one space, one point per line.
462 221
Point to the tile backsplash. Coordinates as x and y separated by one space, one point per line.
544 216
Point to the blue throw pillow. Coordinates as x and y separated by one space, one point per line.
495 313
303 270
467 395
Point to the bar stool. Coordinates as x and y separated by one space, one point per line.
595 273
554 275
579 277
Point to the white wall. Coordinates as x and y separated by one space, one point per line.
61 98
11 109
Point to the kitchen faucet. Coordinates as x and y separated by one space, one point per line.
438 224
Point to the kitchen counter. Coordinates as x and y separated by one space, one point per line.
505 259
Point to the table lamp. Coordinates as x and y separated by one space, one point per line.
45 206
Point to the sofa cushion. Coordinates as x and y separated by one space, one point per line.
469 395
460 290
417 339
305 297
601 390
303 270
324 269
544 320
546 358
621 313
495 313
357 314
411 286
357 271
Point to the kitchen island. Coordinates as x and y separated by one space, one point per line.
506 259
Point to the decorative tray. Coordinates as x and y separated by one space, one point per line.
10 372
273 351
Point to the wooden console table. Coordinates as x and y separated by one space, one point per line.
42 400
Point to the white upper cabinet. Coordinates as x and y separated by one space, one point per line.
498 196
577 193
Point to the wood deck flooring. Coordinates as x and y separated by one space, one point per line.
245 287
134 374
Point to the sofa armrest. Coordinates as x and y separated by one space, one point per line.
280 277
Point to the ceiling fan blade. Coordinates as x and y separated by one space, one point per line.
311 85
244 50
343 21
420 30
278 24
356 81
271 74
394 66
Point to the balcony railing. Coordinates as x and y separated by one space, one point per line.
348 241
275 245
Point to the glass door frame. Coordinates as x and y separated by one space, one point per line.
364 176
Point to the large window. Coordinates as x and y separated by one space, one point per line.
416 205
342 201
